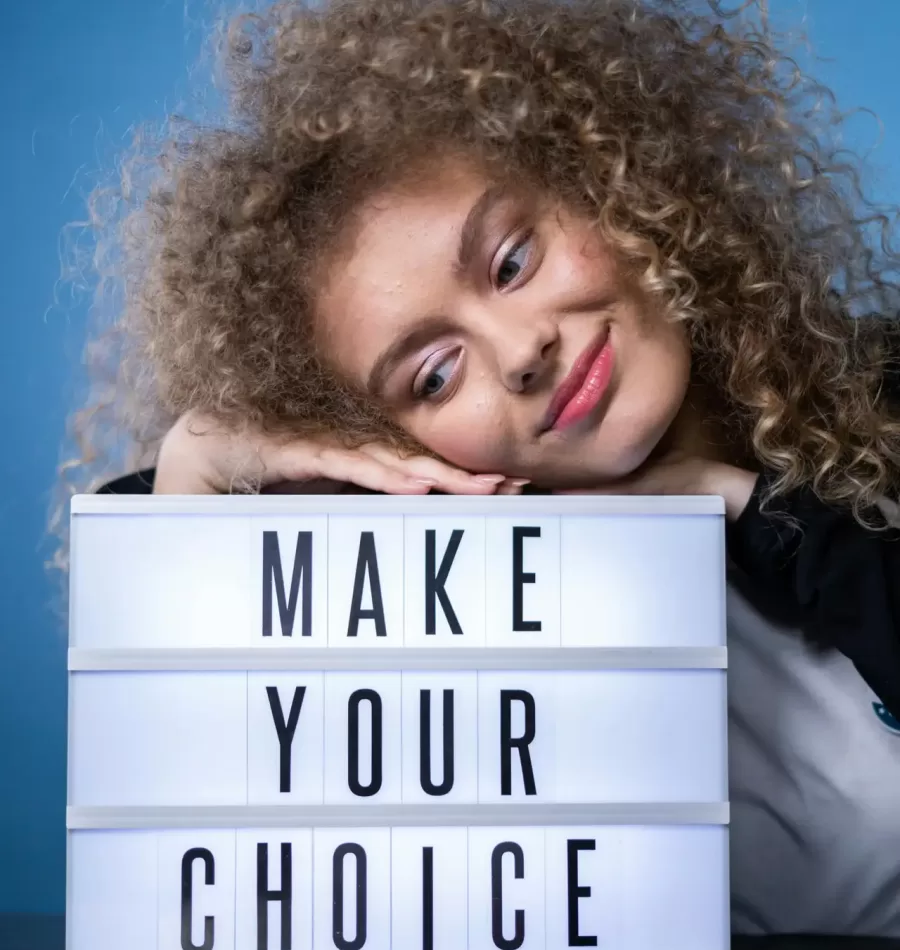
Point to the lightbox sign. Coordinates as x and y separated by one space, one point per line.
397 723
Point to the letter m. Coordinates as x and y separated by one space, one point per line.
273 578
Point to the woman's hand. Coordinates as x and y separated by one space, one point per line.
678 474
198 456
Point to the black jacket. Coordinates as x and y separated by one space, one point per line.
830 577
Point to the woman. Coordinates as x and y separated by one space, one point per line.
594 246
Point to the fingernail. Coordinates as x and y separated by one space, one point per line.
423 481
519 482
490 479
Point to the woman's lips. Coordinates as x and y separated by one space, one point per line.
582 390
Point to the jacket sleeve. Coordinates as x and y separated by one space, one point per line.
135 483
838 581
141 483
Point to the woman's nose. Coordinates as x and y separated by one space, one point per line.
526 355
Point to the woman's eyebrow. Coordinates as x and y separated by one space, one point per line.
413 338
472 232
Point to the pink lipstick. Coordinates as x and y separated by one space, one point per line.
581 391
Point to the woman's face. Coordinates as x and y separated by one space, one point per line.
494 328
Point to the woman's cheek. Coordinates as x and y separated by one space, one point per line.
477 441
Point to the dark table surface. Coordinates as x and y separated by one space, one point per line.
40 932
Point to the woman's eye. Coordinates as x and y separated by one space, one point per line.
437 377
511 265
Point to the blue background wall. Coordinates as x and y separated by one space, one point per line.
73 78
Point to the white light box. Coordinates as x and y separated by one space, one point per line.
443 888
452 573
348 722
226 738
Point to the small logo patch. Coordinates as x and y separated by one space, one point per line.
887 720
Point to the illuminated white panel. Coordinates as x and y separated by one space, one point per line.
640 735
362 738
112 899
633 887
638 581
356 738
197 890
274 889
169 580
158 739
352 889
584 879
507 888
289 581
517 737
429 894
567 883
365 582
523 592
440 763
682 873
286 720
194 572
444 583
578 781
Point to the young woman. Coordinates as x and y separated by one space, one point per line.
477 247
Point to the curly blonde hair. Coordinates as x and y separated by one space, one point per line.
685 134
